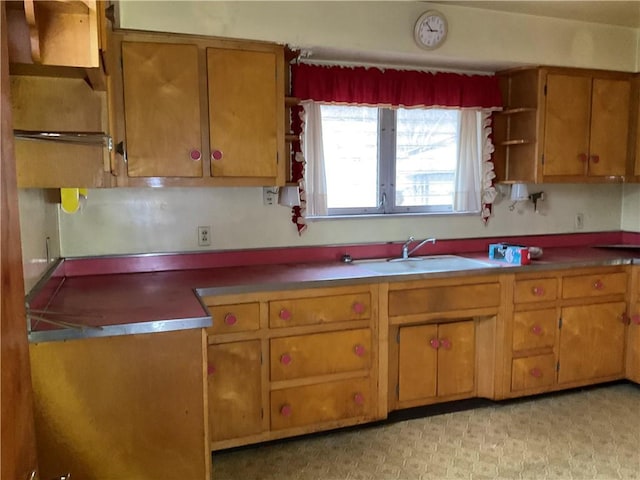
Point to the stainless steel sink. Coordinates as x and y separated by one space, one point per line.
432 263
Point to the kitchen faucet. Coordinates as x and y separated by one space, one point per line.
406 253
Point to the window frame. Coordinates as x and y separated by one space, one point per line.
386 172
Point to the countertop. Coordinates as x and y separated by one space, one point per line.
145 302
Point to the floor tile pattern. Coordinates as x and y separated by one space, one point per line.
578 435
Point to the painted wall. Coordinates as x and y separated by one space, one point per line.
165 220
38 221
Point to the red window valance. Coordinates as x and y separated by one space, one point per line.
406 88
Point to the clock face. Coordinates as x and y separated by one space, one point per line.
431 30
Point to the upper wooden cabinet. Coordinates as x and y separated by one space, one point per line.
195 111
564 125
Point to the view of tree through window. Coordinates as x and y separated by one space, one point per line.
389 161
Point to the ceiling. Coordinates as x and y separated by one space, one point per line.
612 12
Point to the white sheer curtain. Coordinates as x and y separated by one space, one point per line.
473 187
315 179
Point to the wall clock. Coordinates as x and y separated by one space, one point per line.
431 30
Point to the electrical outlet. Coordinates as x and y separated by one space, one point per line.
269 195
579 221
204 236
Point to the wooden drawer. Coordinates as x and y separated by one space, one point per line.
312 311
295 407
535 329
594 285
320 354
533 372
241 317
538 290
442 299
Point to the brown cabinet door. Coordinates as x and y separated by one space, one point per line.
591 342
235 392
418 362
242 112
456 358
609 127
566 132
162 110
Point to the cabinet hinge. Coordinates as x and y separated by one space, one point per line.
560 323
262 413
398 336
260 358
545 89
397 390
277 158
543 159
558 367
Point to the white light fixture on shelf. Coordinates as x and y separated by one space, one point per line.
289 196
519 192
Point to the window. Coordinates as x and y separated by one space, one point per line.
385 161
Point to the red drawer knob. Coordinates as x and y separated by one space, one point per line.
598 285
636 319
216 155
230 319
435 343
595 158
286 410
538 291
358 308
284 314
582 157
358 398
195 155
536 330
211 369
445 343
285 359
359 350
536 372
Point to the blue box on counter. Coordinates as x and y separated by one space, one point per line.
514 254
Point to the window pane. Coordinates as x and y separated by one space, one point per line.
426 152
350 141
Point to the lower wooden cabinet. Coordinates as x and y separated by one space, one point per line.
632 366
286 363
235 389
436 360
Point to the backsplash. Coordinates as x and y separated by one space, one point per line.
126 221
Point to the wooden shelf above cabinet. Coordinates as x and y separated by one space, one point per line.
515 142
58 39
515 111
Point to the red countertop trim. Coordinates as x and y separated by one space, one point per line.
291 255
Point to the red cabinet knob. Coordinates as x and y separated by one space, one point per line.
445 343
358 308
230 319
538 291
211 369
284 314
536 372
536 330
216 155
359 350
195 155
285 359
435 343
598 285
286 410
624 318
595 158
636 319
582 157
358 398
